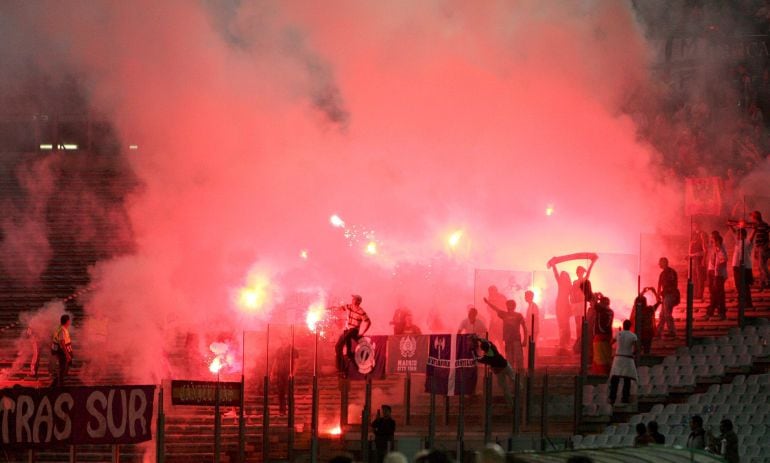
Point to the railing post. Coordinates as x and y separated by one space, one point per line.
160 440
432 417
408 397
366 416
487 406
217 424
290 420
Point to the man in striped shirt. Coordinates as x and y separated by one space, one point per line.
356 317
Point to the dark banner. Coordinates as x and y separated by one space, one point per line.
451 368
407 354
369 361
204 393
76 415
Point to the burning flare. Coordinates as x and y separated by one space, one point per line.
315 314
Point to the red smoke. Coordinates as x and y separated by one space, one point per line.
411 120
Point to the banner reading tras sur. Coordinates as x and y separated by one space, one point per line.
40 418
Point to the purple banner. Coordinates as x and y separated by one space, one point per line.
451 368
76 415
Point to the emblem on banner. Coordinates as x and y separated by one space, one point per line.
439 344
408 346
365 355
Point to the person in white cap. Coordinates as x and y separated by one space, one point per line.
356 317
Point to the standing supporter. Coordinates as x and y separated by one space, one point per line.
602 340
384 428
668 289
697 437
533 315
624 364
473 324
646 319
742 264
761 248
717 274
726 444
698 260
61 352
513 325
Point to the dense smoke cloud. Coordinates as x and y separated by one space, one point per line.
448 115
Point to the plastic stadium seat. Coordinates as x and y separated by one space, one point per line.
601 440
679 440
623 429
758 420
683 350
589 441
743 360
696 350
749 330
741 420
699 360
725 349
604 410
722 340
669 360
684 360
635 419
577 439
716 370
627 440
742 349
750 340
734 331
610 430
657 409
712 349
739 389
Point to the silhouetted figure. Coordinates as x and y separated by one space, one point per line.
642 438
283 368
602 340
726 444
742 265
668 289
61 352
581 294
409 326
761 247
513 326
697 437
698 261
645 325
563 308
495 328
652 429
384 428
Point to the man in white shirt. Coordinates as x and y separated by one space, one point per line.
473 324
624 365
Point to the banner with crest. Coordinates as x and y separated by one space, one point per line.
370 352
407 354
